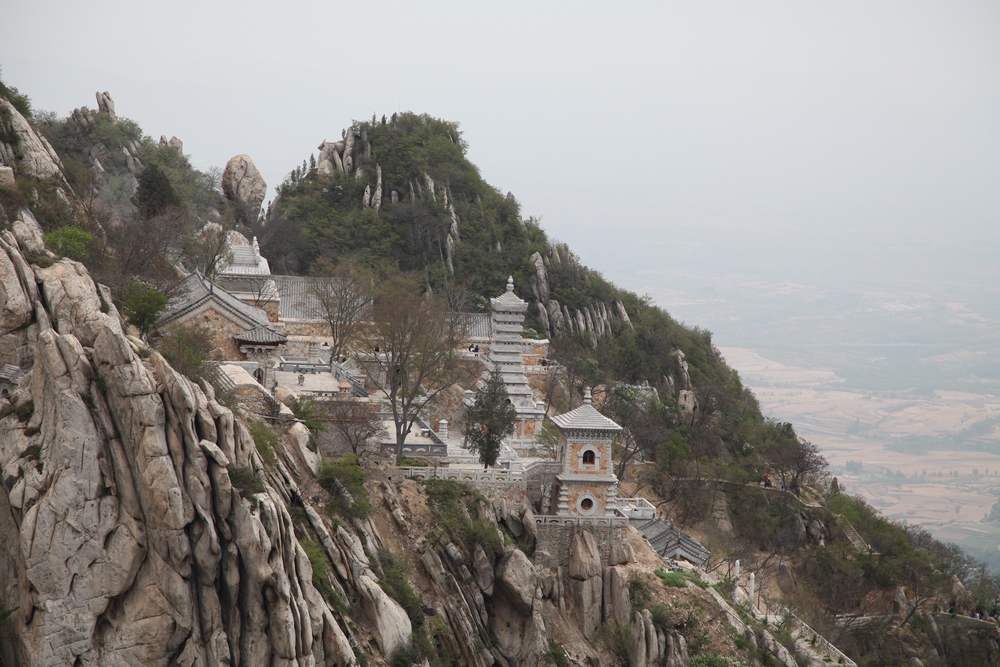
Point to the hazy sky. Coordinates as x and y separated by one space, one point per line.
819 138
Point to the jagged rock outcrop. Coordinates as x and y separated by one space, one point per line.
26 151
105 104
585 584
243 185
130 543
594 321
173 142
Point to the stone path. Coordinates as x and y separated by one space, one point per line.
808 643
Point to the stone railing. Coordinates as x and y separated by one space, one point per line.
474 477
583 521
435 449
805 638
637 508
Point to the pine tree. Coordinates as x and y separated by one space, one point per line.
155 194
489 419
312 162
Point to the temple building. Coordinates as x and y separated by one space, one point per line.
507 347
587 485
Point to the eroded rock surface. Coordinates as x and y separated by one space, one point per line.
243 184
127 541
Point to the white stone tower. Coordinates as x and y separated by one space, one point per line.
587 482
507 354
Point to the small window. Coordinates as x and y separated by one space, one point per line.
588 457
586 504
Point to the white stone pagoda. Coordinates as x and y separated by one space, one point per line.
507 353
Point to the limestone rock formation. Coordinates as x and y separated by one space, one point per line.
23 149
173 142
127 541
105 104
243 185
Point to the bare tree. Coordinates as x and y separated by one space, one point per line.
644 421
412 344
344 296
356 422
209 250
144 246
258 290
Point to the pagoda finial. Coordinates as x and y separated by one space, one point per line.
510 283
256 247
586 396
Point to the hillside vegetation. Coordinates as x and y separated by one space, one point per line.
132 209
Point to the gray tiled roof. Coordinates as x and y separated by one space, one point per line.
298 302
195 290
587 418
262 335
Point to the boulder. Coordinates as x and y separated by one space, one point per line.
243 185
515 577
7 178
617 604
172 142
682 377
390 624
105 104
621 553
586 599
584 556
30 153
484 570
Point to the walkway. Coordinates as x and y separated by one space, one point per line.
808 643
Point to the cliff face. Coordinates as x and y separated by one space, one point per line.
132 538
126 540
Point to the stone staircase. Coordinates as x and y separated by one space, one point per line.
814 648
853 536
669 542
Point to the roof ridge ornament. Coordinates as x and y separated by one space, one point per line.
510 284
587 399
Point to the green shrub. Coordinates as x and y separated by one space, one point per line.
406 656
712 660
396 583
246 481
672 579
321 574
345 474
450 501
726 588
142 304
20 101
638 592
25 410
661 616
617 637
557 654
70 241
186 348
265 439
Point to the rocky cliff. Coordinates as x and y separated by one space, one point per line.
134 537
